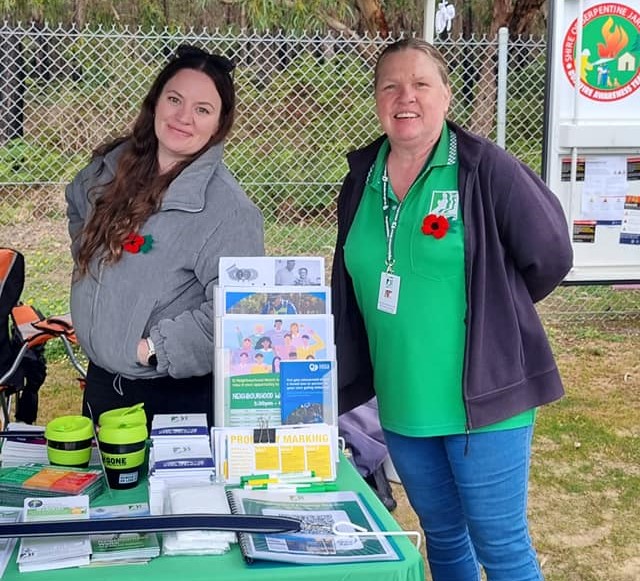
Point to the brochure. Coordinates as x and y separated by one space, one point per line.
306 392
315 543
250 350
8 515
271 271
285 300
178 426
243 451
44 553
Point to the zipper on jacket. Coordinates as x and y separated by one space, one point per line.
466 202
94 303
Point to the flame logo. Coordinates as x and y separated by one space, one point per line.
615 39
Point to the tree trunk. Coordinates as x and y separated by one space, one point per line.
373 17
79 13
166 12
523 16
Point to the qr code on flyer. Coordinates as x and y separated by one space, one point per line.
316 534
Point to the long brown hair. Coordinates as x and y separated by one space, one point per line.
125 203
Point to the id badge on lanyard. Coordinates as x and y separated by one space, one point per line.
389 291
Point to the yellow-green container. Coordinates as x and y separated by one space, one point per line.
129 415
69 440
123 449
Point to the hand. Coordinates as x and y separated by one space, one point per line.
143 352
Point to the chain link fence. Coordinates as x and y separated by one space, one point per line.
304 101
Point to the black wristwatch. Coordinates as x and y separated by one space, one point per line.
152 359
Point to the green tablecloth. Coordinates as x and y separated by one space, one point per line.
231 566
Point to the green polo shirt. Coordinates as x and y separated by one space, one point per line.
418 352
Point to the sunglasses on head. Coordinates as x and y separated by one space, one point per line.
221 62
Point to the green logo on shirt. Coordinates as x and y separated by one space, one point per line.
444 203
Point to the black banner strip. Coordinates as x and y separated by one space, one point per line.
142 524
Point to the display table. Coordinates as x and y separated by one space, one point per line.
232 567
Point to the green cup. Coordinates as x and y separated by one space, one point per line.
129 415
123 450
69 440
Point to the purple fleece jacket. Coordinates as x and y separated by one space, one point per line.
517 250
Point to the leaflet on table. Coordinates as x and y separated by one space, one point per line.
248 366
244 400
179 426
273 300
43 553
8 514
120 510
315 542
308 392
130 547
302 392
271 271
120 548
177 457
255 341
243 451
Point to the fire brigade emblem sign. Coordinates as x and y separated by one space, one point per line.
609 59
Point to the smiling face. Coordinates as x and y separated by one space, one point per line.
187 115
412 99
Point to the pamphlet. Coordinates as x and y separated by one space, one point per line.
44 553
316 542
242 451
8 515
306 390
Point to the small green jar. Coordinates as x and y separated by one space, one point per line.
69 441
123 450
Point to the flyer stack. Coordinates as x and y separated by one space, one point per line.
275 373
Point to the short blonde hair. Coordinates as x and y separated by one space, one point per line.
416 44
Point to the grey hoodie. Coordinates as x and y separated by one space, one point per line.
166 293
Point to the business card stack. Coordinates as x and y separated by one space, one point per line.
180 454
180 446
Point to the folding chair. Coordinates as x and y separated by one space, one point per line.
23 334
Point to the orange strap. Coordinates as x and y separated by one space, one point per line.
7 258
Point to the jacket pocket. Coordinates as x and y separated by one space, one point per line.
136 330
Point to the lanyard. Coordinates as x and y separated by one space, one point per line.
389 226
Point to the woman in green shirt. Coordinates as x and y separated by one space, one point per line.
444 244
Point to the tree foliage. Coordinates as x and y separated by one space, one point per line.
356 16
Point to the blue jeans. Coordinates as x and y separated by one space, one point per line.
473 506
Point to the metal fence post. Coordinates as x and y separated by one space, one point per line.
503 48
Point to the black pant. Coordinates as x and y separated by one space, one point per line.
162 395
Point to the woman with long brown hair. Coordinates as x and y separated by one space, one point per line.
149 218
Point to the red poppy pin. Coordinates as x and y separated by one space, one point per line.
135 243
435 225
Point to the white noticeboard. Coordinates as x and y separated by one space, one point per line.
592 134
